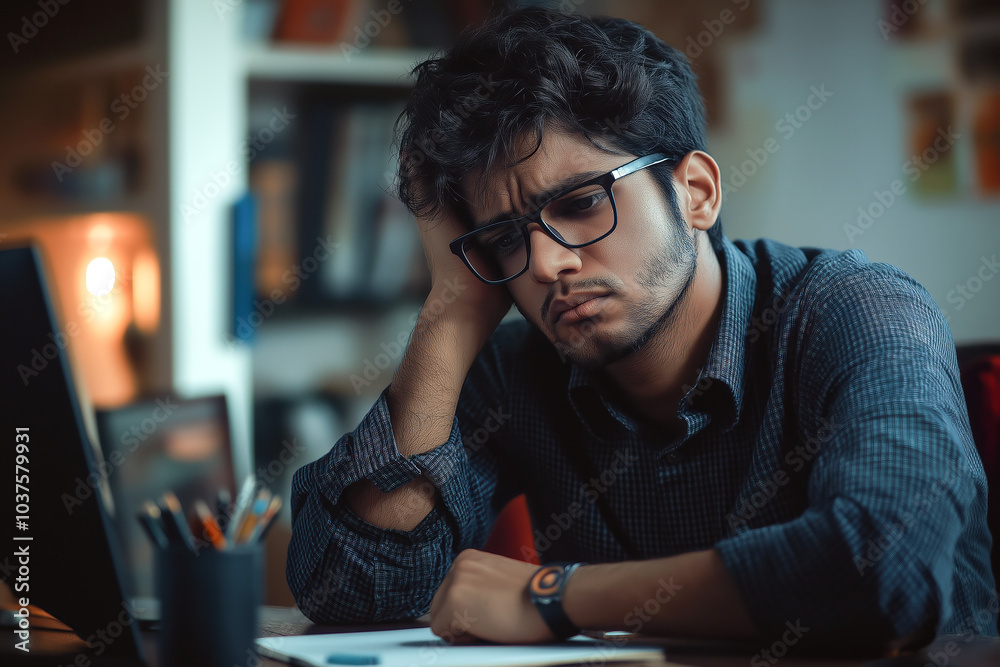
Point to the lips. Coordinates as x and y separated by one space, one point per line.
576 307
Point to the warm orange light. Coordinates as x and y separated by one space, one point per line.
100 234
146 291
100 276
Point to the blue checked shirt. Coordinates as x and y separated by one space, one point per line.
826 456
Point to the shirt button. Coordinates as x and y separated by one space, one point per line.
673 456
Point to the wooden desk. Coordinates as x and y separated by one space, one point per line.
944 652
285 621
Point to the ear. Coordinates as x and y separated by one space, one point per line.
699 189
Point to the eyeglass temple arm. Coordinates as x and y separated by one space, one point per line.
639 163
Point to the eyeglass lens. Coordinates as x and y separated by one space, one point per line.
576 218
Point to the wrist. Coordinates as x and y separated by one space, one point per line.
545 589
598 596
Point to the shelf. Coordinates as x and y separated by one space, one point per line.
385 67
122 58
25 212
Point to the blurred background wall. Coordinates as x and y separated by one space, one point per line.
208 179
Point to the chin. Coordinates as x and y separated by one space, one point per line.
592 350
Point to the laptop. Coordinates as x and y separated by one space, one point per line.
157 444
58 547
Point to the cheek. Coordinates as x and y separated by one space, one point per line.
527 300
643 228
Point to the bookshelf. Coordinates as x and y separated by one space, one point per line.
389 67
138 159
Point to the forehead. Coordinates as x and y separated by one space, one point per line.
560 159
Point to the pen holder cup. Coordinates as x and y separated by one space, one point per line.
208 606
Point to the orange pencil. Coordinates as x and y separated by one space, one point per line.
210 527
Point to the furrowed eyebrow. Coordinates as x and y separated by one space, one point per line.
544 196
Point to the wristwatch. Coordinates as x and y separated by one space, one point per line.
546 589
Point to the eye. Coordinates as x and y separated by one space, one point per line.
577 204
504 243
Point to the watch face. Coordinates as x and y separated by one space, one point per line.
546 581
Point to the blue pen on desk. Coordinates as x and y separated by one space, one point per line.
352 659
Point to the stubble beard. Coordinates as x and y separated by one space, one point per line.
592 349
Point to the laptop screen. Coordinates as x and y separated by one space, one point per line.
162 444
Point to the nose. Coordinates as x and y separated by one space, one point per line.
549 258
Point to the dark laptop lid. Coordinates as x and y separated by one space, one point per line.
72 568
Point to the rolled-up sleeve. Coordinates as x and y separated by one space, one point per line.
893 476
343 569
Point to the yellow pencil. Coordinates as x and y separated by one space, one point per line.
265 520
253 517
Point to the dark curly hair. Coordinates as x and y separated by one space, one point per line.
609 80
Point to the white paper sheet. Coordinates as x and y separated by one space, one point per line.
419 647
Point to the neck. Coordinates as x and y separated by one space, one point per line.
652 379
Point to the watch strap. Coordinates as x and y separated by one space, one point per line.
550 606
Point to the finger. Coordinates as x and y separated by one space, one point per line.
441 593
440 624
438 599
466 638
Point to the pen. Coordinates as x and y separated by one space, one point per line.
265 521
209 526
253 516
149 517
174 525
243 500
222 501
352 659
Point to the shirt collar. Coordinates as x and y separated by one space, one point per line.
726 364
718 394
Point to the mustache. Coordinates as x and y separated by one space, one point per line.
563 289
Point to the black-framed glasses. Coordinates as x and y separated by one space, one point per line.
577 217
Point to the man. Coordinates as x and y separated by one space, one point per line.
743 441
